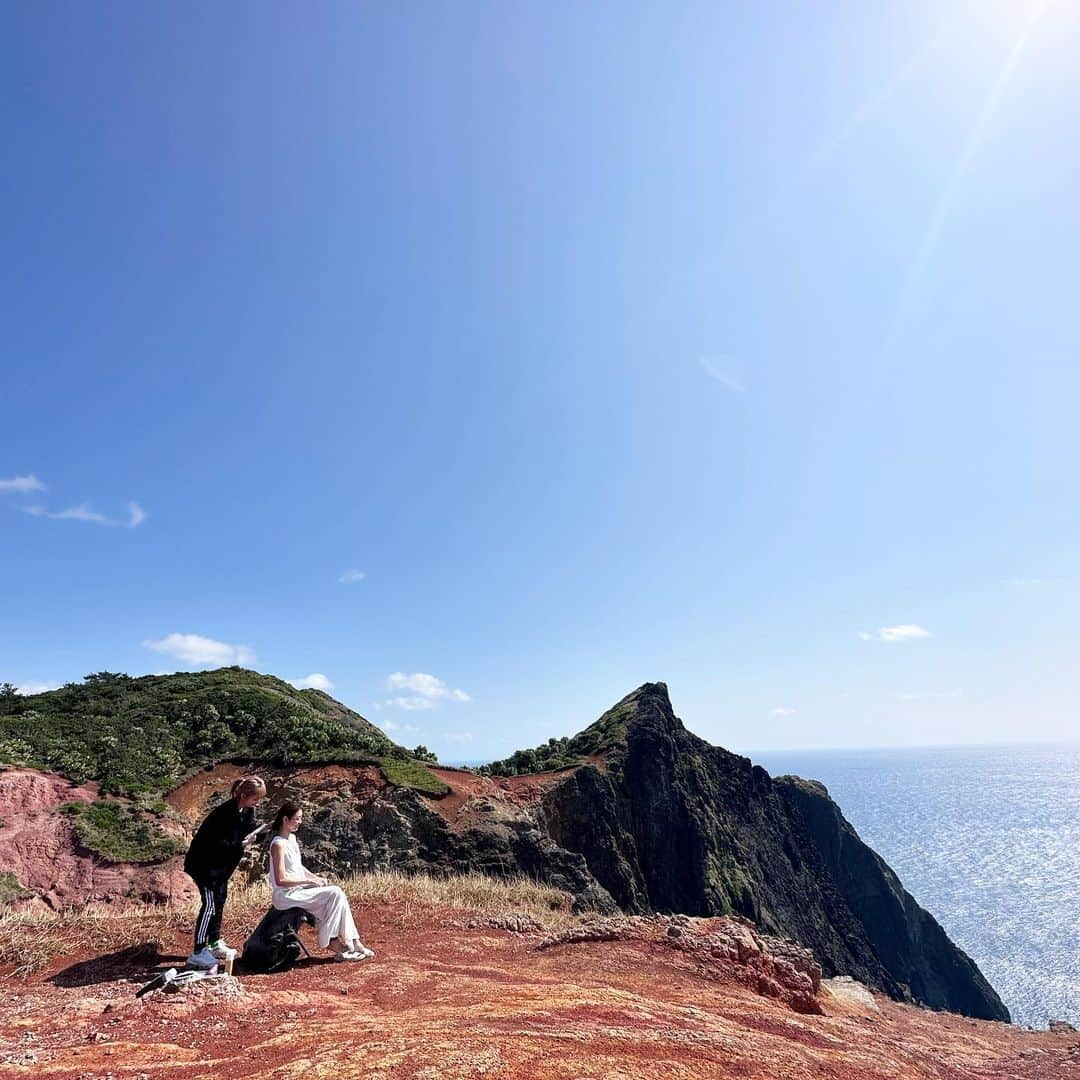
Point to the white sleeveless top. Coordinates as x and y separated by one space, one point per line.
294 867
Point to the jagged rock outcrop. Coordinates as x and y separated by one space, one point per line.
398 829
670 823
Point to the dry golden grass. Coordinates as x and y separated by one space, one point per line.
32 940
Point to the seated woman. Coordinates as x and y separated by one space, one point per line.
294 885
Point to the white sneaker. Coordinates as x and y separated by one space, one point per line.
222 951
204 960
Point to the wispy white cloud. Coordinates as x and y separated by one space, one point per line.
723 371
28 688
421 691
21 484
315 681
1021 582
351 577
459 737
782 710
202 651
83 512
72 513
892 634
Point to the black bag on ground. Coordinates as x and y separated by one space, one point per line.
275 944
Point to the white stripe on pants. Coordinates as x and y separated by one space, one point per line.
208 911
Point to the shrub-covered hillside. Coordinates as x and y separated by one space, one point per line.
144 734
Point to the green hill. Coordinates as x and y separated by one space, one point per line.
137 735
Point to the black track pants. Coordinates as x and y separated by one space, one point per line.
208 924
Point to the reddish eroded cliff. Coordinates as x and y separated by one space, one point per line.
38 847
313 785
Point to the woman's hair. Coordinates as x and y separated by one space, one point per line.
248 785
287 809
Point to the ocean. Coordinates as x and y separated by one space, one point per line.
988 840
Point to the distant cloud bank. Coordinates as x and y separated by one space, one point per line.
351 577
892 634
202 651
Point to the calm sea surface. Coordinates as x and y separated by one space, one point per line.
988 840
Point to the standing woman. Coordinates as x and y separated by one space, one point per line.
215 852
294 885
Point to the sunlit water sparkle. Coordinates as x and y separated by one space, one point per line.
985 838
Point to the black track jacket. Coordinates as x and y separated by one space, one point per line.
218 843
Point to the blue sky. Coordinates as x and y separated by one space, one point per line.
733 346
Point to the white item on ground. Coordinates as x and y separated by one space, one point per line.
158 982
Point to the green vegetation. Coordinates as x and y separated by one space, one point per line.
119 833
605 734
10 889
146 734
554 754
422 753
404 771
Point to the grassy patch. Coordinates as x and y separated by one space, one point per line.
32 940
406 772
119 833
10 889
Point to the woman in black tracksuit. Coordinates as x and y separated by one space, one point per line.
215 852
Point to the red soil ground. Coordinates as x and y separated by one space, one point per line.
440 1001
